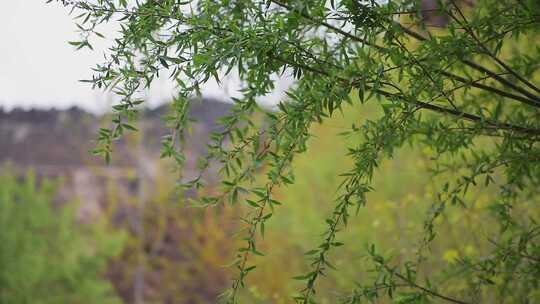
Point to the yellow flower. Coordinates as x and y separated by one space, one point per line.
450 255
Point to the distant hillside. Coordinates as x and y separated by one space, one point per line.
64 138
57 143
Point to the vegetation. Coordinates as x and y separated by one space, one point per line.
462 98
180 252
47 256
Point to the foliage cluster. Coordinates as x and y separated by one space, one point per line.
466 94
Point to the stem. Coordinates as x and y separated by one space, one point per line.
426 290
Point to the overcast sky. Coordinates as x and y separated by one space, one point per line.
38 68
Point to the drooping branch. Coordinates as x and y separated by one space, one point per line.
470 32
424 105
479 68
531 99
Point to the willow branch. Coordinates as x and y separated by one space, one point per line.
426 290
471 33
531 99
478 67
421 104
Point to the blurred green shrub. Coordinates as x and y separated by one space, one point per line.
46 256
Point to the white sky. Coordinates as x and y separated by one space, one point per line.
38 68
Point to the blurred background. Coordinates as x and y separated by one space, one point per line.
74 230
